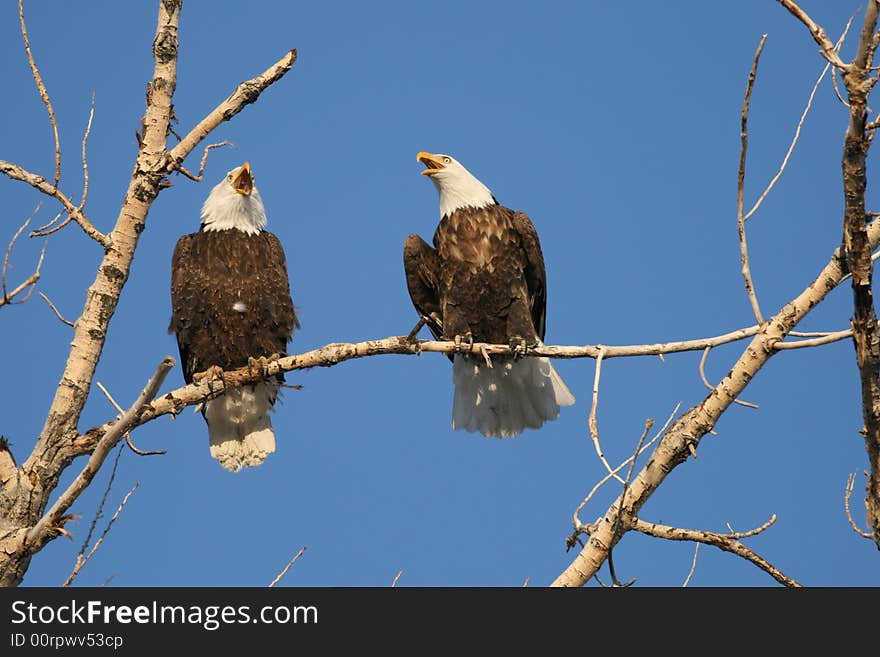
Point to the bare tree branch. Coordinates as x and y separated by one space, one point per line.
41 88
81 561
593 425
710 386
800 124
287 567
198 177
127 433
332 354
85 162
247 92
30 282
17 173
687 431
741 177
819 36
56 311
850 483
52 521
837 336
687 580
726 542
579 527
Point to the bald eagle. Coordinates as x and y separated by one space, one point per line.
231 306
484 281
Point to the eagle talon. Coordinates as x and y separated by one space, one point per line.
209 376
519 347
261 364
460 340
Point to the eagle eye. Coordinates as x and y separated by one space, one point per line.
446 160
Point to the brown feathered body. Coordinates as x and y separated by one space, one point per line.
230 299
485 280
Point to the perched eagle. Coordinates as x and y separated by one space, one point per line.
231 307
484 281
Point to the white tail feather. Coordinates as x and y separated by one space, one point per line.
239 426
510 396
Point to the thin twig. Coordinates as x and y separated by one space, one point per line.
687 580
85 162
791 146
710 386
837 89
648 424
815 342
593 425
9 251
200 176
797 131
740 184
100 510
579 526
396 578
287 567
38 232
41 88
56 311
80 561
127 433
30 281
850 483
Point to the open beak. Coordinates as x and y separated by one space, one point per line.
244 181
431 161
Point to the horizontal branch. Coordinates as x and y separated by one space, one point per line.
726 542
332 354
17 173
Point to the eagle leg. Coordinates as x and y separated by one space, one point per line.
411 336
467 338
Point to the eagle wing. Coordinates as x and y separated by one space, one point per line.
422 266
534 272
184 293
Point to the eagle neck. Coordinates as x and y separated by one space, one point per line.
225 209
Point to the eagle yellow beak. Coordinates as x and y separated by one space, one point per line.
244 181
431 161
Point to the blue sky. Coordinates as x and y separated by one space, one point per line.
615 126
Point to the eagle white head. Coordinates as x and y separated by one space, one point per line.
235 203
458 187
